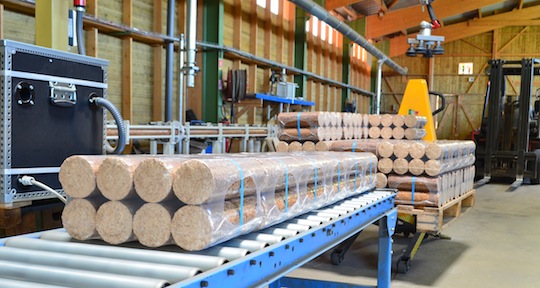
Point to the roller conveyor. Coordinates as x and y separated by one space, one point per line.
253 260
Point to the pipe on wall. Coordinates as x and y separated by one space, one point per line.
191 42
275 64
169 62
323 15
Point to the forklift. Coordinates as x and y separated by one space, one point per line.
508 141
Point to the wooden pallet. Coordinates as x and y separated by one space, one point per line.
434 219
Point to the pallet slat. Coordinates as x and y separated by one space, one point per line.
434 219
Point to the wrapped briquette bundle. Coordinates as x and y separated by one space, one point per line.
374 132
196 227
114 220
153 177
417 149
115 176
398 133
308 146
385 149
78 175
323 146
374 120
198 181
295 146
415 198
437 167
417 184
282 146
385 165
300 119
382 180
400 166
79 217
386 120
398 120
416 167
415 121
401 149
386 133
415 133
301 134
152 222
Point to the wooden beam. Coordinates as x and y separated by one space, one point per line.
520 5
127 62
279 35
350 12
402 19
381 4
267 42
92 33
253 36
514 38
1 21
513 22
495 44
333 4
398 45
475 46
157 111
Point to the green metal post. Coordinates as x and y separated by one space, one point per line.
300 49
359 26
212 61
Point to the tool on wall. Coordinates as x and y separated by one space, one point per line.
424 43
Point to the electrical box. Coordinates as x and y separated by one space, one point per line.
46 115
286 90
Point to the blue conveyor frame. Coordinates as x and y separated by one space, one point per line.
269 265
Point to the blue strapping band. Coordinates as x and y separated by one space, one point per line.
353 148
241 210
298 125
412 188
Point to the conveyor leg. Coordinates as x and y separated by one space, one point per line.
387 227
339 252
404 262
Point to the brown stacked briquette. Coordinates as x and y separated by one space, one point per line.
195 201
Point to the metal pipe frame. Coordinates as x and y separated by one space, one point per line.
191 34
169 63
323 15
274 64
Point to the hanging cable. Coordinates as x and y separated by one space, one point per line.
31 181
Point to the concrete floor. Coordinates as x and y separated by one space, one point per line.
494 244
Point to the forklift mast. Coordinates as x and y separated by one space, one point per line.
508 146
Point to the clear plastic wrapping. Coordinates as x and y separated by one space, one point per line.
432 191
292 184
414 157
223 196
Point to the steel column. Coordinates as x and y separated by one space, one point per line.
300 49
212 60
169 63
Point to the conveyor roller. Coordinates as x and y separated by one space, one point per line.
252 260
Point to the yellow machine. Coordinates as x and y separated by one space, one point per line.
416 101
